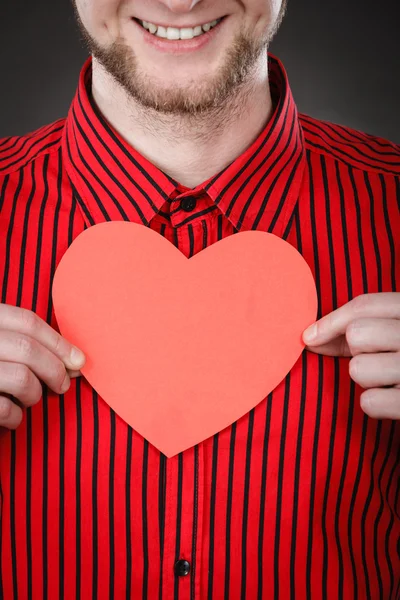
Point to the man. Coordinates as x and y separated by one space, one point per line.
182 123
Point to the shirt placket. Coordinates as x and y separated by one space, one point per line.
184 503
183 525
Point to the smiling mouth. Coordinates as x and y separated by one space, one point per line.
178 33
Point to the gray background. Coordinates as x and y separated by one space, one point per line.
342 57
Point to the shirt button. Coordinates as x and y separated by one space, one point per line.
188 204
182 568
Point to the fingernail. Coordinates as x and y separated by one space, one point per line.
310 333
77 357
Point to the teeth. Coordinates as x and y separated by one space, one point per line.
187 33
174 33
161 32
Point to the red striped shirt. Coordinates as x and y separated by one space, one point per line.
297 499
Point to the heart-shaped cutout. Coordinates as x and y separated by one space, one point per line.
181 348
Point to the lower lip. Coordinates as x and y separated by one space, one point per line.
179 46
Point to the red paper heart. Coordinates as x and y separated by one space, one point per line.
181 348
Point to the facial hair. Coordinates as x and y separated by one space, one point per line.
196 98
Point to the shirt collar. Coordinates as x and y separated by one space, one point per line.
113 181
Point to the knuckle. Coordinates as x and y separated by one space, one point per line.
29 320
25 346
361 303
22 376
329 322
57 343
353 331
5 409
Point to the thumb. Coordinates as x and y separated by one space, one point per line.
336 347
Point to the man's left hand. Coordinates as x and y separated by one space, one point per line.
368 329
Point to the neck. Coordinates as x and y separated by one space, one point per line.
188 149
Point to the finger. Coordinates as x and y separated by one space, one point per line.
337 347
11 415
373 335
376 370
74 374
381 403
382 305
361 336
19 381
19 348
13 318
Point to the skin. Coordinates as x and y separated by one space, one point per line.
195 123
368 329
31 352
191 126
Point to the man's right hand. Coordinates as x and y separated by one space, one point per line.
31 352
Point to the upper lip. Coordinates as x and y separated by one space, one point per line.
182 26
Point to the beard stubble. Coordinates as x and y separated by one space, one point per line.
197 98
